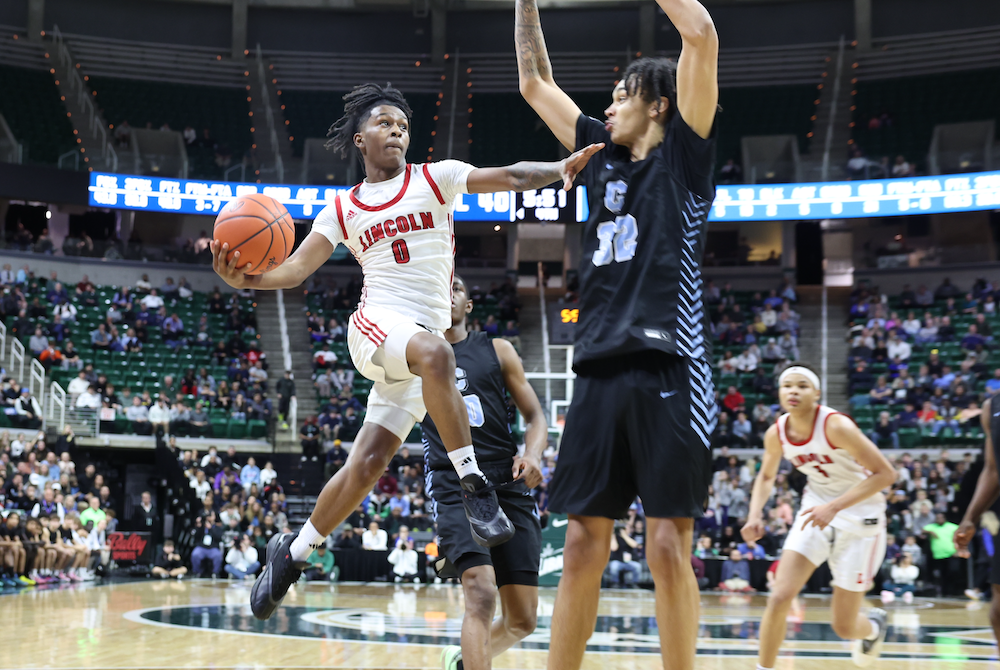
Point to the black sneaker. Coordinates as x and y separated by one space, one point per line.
490 526
866 652
276 577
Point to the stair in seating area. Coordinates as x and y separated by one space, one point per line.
811 340
302 370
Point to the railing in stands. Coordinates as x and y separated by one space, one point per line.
3 340
286 361
546 359
279 165
828 142
11 151
17 359
36 381
556 410
56 408
78 88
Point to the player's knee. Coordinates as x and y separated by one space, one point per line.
480 594
437 360
521 622
583 553
843 627
781 595
369 466
668 558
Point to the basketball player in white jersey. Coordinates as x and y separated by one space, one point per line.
398 224
841 521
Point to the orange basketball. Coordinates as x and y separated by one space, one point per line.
260 228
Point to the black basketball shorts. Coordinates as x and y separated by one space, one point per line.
995 565
641 425
516 560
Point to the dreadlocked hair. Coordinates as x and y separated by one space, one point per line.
357 104
652 79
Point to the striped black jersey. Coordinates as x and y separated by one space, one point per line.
640 266
479 379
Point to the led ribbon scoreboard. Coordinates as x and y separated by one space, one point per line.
774 202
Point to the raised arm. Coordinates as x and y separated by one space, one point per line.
698 64
528 175
538 88
987 487
763 485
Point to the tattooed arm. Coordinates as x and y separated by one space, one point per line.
528 175
538 88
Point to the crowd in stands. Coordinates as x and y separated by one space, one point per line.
240 506
755 337
921 363
859 166
108 347
57 511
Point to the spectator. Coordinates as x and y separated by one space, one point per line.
943 559
404 562
621 559
28 412
750 550
241 559
903 575
735 574
321 564
38 341
169 563
885 430
898 348
159 417
208 546
324 358
335 459
734 400
286 391
138 414
375 539
309 435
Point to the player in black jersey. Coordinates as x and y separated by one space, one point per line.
643 409
987 492
486 371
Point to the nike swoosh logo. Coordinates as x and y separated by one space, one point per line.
667 394
559 523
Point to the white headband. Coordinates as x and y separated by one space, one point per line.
799 370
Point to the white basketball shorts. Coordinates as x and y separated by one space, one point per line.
854 559
377 340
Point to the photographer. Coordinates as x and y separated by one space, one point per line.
404 561
622 546
169 562
320 565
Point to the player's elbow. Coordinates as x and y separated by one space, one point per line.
700 32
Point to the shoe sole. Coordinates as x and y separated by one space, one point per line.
863 660
263 608
448 657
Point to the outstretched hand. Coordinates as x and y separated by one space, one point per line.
572 166
228 270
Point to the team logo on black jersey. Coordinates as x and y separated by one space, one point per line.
461 380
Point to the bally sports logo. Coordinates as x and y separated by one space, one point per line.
127 546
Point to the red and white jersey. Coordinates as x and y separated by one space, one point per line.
831 472
401 231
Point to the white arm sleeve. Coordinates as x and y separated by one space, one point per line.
327 225
451 177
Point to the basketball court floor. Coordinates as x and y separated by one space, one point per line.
207 624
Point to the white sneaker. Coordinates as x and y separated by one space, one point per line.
416 580
887 597
398 580
973 594
908 597
866 652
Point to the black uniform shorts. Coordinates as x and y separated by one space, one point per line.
638 425
516 560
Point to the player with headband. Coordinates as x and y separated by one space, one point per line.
841 521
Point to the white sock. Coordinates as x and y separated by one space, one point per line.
761 667
309 539
875 630
465 463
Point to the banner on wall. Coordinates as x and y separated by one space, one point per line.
553 540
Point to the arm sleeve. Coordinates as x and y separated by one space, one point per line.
328 225
449 177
